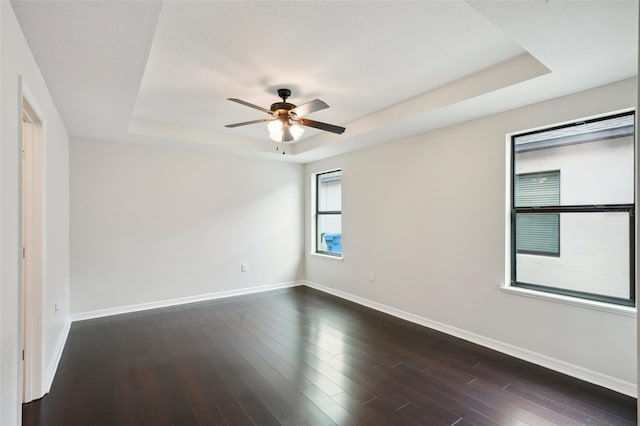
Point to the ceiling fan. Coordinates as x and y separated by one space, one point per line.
284 126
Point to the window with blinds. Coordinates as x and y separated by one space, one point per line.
596 159
538 233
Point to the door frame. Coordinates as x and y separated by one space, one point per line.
32 263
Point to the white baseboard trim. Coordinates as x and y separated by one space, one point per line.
54 362
564 367
81 316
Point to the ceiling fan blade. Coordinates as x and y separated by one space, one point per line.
244 123
322 126
309 107
241 102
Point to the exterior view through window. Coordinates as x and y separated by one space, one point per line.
329 213
538 234
572 209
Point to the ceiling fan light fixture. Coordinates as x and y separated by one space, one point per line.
284 130
274 126
286 123
287 136
296 131
276 136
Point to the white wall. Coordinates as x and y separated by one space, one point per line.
426 215
18 61
152 224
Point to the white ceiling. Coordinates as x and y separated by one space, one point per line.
151 72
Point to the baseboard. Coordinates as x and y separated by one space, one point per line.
180 301
53 364
573 370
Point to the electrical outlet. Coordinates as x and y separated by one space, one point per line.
372 276
243 267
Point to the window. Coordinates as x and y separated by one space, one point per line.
538 233
573 209
328 214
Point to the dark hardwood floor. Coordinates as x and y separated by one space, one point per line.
301 357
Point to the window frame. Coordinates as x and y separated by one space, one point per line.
318 213
595 208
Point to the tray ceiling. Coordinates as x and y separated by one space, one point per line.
151 72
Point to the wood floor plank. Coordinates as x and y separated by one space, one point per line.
301 357
572 410
589 406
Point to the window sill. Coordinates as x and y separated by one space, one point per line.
327 256
573 301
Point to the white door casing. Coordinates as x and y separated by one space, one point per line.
33 249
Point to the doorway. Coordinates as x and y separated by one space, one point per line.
32 252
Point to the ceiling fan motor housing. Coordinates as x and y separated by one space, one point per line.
284 105
284 94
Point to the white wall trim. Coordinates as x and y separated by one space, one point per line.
81 316
55 361
327 256
573 370
564 367
626 311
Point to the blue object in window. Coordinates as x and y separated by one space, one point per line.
334 243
